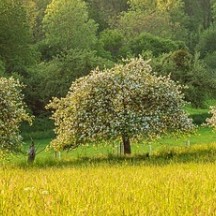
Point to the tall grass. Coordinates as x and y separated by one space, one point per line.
120 189
171 181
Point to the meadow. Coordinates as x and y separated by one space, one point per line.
171 176
181 183
172 181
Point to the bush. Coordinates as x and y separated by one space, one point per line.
158 45
200 119
112 42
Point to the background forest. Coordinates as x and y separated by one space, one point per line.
48 44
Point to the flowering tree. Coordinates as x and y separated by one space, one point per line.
12 113
125 101
212 121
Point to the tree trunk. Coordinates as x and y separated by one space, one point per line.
126 144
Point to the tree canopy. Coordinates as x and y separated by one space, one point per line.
67 25
47 44
15 36
125 101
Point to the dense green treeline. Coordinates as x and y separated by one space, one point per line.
47 44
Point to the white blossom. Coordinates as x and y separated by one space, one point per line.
128 98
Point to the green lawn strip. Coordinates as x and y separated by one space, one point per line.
203 135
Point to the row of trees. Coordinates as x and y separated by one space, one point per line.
126 101
47 44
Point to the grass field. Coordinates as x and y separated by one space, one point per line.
172 181
111 187
171 176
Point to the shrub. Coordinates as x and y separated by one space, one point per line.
158 45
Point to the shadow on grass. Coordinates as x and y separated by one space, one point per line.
198 154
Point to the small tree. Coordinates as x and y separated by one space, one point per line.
124 101
12 113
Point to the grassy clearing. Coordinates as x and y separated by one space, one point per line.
197 153
203 136
191 110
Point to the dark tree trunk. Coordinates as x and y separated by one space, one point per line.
126 144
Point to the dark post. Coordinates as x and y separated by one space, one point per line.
31 153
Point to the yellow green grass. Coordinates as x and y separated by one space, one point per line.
177 182
176 189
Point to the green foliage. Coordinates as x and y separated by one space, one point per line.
73 36
206 43
112 42
67 26
2 68
157 45
12 113
105 12
38 8
15 37
165 19
199 18
132 23
199 119
41 128
214 12
125 101
199 12
210 60
191 71
54 78
182 59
